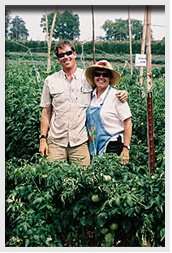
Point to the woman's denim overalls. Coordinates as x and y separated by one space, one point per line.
98 135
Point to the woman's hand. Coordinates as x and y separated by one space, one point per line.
125 156
122 95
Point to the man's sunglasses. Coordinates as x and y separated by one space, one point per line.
61 55
100 73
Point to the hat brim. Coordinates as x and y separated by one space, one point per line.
90 78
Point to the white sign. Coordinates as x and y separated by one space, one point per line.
140 60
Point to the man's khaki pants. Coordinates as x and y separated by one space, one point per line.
79 154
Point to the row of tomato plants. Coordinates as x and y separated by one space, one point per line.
107 204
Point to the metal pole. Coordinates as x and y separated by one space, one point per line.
93 38
150 128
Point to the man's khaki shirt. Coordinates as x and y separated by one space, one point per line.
69 100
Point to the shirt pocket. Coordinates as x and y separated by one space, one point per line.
57 94
85 96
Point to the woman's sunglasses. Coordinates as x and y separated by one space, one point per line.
68 53
101 73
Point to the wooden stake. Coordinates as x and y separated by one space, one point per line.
93 38
150 133
150 128
130 39
49 35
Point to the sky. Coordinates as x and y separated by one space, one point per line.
32 17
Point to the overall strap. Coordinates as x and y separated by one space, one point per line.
105 96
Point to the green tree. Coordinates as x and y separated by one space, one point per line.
48 22
121 27
137 29
48 19
18 30
109 29
67 26
118 30
7 23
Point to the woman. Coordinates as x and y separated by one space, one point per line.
108 122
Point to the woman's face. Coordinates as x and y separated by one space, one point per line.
101 78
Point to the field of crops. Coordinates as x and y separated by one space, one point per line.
56 204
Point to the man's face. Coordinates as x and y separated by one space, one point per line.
66 57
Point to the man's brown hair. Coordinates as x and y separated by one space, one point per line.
61 44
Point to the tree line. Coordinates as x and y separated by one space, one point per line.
67 26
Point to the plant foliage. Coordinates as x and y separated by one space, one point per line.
60 204
107 204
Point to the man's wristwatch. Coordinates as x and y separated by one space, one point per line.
42 136
126 146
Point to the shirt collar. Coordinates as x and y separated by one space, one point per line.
102 96
76 74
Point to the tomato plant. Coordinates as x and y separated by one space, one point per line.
57 204
52 204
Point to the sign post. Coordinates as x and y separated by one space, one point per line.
143 44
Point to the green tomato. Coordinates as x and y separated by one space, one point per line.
108 237
95 198
117 201
104 231
107 178
114 226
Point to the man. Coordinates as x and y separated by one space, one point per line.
65 98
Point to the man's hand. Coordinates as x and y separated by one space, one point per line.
122 95
43 147
124 156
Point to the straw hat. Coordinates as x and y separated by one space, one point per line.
103 64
